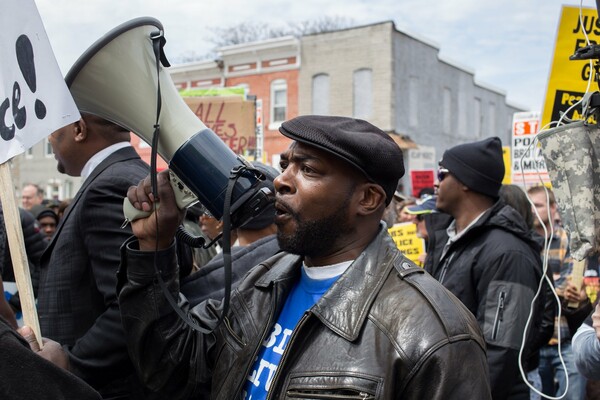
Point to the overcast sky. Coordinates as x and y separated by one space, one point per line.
507 43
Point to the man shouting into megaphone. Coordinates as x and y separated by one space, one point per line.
339 312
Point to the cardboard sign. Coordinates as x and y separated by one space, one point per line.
528 163
405 237
34 99
569 78
233 119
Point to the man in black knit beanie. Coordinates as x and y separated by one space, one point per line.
482 251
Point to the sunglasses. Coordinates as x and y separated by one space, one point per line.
442 173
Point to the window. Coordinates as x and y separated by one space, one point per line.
447 113
477 117
68 189
413 101
462 113
491 118
363 94
54 186
320 94
48 148
278 101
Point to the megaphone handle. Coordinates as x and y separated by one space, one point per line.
183 197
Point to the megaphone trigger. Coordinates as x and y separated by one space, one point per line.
183 197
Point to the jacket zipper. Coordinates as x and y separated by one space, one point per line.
297 328
232 333
313 395
266 331
447 262
499 315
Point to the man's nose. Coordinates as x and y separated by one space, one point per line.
282 183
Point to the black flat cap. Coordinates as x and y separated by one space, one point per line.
358 142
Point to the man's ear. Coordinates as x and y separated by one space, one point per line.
80 130
371 198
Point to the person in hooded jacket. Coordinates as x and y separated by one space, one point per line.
483 252
515 197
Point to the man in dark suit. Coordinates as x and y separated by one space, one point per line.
77 301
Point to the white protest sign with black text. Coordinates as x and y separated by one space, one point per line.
528 164
34 99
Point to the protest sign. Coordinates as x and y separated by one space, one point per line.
34 99
569 78
528 163
405 237
233 119
422 165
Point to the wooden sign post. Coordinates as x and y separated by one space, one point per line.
16 243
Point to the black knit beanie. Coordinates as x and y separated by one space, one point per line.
478 165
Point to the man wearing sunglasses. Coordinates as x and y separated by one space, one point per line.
486 256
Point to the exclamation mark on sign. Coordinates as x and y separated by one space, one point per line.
26 64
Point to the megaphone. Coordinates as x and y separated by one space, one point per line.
121 77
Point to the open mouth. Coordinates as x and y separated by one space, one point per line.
282 211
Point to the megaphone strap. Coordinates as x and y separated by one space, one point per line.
157 43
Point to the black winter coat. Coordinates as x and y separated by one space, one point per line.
494 269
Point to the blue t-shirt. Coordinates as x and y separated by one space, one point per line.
302 297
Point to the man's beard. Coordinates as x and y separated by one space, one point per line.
316 238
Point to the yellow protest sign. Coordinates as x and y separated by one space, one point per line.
405 237
569 78
507 166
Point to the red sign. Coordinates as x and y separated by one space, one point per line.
421 179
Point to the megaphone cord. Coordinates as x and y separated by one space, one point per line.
234 176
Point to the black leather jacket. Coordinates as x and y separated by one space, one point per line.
384 330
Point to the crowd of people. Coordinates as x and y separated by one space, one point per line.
551 369
323 303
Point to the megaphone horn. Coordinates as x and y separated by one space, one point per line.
117 79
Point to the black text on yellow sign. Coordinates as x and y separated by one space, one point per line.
569 78
407 241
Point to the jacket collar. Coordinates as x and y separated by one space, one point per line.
124 154
345 306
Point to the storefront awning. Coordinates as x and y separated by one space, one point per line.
403 141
